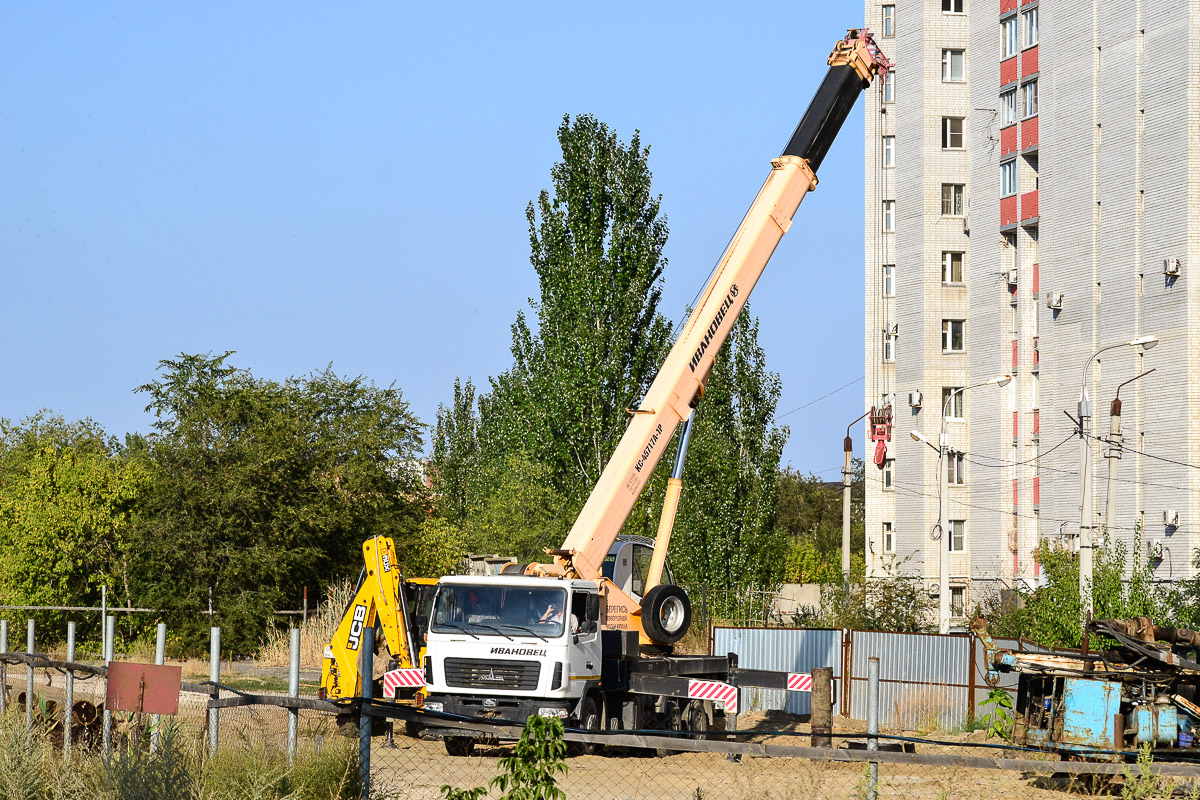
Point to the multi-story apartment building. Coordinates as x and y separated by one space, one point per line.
1032 197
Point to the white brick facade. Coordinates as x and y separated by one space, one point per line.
1104 184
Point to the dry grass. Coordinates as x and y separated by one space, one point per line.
315 633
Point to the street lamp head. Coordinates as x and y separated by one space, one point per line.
1146 342
999 380
918 436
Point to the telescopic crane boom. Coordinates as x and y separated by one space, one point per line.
680 382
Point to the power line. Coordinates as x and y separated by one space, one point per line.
822 397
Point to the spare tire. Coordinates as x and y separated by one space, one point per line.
666 613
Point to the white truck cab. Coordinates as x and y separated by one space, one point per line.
508 647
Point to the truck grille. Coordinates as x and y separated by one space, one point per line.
478 673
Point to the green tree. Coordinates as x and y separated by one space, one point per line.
67 498
726 536
810 511
260 488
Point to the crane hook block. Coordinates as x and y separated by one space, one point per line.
881 432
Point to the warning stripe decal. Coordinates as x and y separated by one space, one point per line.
799 682
715 690
401 677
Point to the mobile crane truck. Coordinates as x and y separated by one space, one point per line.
563 639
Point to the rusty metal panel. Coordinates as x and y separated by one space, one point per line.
924 679
784 650
143 688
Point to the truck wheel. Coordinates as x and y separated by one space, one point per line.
459 745
697 721
666 613
589 723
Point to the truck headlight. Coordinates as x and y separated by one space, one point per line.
561 713
434 707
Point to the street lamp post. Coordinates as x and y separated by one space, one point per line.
942 534
847 487
1086 512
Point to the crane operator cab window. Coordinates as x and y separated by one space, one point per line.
627 567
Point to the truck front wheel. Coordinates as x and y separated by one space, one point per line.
666 613
589 722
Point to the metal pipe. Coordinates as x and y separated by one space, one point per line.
873 726
214 676
109 637
293 729
3 667
69 690
160 657
29 677
847 486
366 670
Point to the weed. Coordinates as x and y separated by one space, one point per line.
998 721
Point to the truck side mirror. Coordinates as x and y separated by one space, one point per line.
593 608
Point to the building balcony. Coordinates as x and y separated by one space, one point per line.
1029 134
1029 62
1034 288
1008 140
1008 211
1008 71
1029 205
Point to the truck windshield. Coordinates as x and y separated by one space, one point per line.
499 610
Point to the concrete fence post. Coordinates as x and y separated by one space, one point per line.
367 680
293 728
3 667
160 657
110 635
69 703
214 675
822 707
873 726
29 677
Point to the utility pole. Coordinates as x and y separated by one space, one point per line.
847 485
1116 443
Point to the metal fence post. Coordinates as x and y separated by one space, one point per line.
70 692
873 726
3 667
110 631
367 679
29 677
160 656
214 675
293 729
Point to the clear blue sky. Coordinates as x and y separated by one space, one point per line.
313 183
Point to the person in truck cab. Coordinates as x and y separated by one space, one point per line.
554 614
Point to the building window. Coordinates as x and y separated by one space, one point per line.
952 6
889 86
889 216
952 335
952 267
1008 178
953 199
1035 390
1030 24
889 538
889 20
889 346
952 402
952 133
1008 256
889 280
955 476
1029 99
958 535
1008 108
953 66
958 601
889 468
889 151
1012 39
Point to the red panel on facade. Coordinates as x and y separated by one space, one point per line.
1008 210
1014 492
1037 356
1035 278
1014 354
1029 133
1025 3
1029 205
1014 424
1007 5
1008 140
1029 62
1037 425
1037 491
1008 70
